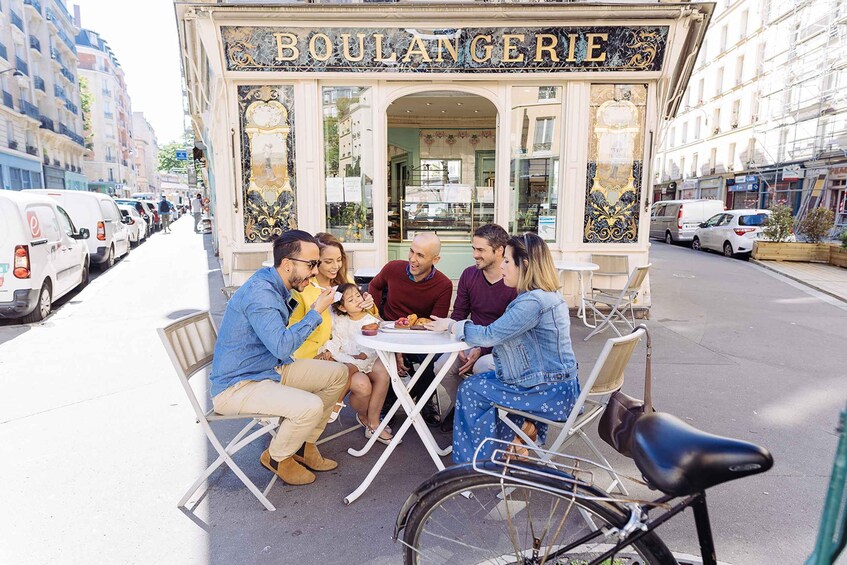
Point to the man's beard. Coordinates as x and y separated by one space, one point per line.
296 281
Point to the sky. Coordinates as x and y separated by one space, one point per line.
143 37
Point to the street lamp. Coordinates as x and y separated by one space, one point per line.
19 77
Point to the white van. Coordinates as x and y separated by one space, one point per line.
43 256
99 214
677 220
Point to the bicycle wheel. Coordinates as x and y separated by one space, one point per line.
474 518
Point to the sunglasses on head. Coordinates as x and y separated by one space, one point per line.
312 264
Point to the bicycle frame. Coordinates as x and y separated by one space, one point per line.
701 520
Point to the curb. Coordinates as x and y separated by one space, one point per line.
799 280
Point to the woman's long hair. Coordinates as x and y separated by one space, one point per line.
534 262
328 240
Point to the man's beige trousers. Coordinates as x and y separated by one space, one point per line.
304 397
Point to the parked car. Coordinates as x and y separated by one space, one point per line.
136 224
99 214
43 256
677 220
142 209
731 232
154 212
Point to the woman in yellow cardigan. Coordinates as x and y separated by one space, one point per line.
332 271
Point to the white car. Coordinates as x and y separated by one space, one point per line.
42 255
731 232
99 214
136 224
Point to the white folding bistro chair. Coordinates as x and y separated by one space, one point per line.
612 271
190 343
617 303
606 377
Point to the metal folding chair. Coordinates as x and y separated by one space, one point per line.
606 377
617 304
611 267
190 343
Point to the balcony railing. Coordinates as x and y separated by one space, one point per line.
29 109
108 115
68 75
71 107
65 130
32 150
3 52
21 65
39 84
8 101
107 93
34 3
34 43
13 144
59 92
110 159
47 123
546 146
16 20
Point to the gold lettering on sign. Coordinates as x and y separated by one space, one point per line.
452 48
508 48
550 48
345 38
593 46
571 48
327 47
289 45
417 47
486 48
379 58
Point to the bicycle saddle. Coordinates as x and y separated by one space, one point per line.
679 459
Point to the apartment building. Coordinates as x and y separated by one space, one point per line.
41 118
146 154
110 164
764 119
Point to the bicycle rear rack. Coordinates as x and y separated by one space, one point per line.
571 471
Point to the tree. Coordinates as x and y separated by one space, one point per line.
85 106
817 223
779 225
167 157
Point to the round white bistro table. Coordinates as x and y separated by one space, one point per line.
578 268
386 345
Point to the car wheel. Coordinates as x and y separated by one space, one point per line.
110 260
727 250
44 307
85 277
668 238
695 244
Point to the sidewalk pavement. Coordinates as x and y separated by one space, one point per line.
824 278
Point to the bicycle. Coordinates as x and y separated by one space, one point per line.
525 511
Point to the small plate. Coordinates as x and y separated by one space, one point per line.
388 327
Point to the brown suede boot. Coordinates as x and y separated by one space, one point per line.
289 470
309 456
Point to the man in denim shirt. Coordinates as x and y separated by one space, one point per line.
253 371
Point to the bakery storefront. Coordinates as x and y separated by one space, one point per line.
338 118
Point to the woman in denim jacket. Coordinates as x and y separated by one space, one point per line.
535 369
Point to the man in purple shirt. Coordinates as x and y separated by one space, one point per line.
481 296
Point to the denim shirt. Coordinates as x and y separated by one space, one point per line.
254 337
531 340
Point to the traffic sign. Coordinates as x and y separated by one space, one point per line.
182 154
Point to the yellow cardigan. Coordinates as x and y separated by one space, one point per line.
323 332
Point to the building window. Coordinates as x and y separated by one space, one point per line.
672 137
535 179
724 33
742 25
701 85
16 177
694 161
111 175
547 93
719 81
697 121
716 121
730 157
348 162
543 134
736 110
684 133
713 157
739 70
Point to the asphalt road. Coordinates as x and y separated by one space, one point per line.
97 441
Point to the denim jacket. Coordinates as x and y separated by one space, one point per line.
254 337
531 340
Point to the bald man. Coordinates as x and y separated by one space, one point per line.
414 287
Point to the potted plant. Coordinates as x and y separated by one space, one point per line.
838 254
778 244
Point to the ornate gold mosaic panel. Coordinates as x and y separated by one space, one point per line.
615 161
267 161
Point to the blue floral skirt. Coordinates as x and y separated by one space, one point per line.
476 418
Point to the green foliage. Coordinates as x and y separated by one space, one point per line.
168 160
779 225
85 107
844 239
331 157
817 223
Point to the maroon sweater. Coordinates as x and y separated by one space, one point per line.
481 301
404 296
